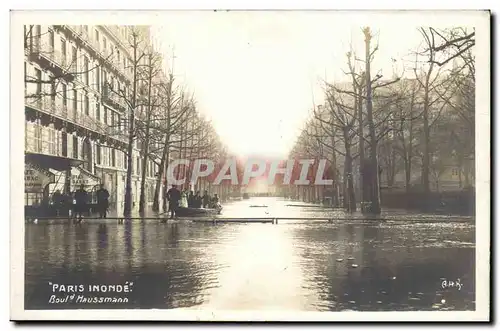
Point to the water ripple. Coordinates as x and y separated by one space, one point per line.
396 264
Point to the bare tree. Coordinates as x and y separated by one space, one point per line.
433 83
343 117
406 117
446 45
134 97
175 110
151 71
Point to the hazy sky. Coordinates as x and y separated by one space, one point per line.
255 73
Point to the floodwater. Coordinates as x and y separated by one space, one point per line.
367 265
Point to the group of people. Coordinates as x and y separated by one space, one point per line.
177 199
78 202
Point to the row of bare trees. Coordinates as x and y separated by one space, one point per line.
160 119
422 117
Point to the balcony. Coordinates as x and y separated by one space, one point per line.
71 115
112 99
51 59
94 46
115 31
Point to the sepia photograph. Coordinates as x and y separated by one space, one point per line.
232 165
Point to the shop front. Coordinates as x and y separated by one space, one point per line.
36 185
47 176
81 177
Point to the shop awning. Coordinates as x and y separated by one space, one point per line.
46 161
36 178
80 176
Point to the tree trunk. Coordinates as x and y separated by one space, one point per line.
166 148
426 157
361 147
145 157
163 167
407 173
349 196
127 207
375 196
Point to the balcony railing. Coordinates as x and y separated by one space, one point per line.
109 96
62 111
47 51
79 31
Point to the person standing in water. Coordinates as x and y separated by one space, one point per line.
190 199
173 197
102 201
58 202
197 200
80 202
206 199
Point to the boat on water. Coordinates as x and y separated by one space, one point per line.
190 212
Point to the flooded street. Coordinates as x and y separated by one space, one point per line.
395 264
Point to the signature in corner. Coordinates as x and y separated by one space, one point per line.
450 284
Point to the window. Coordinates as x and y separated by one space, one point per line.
37 137
75 147
113 158
51 40
98 154
138 168
86 70
52 141
64 96
97 80
74 58
75 100
87 105
105 155
105 115
63 50
98 111
112 119
53 90
104 79
38 76
119 121
118 56
37 35
64 142
33 199
97 36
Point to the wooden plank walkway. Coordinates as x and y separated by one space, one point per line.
273 220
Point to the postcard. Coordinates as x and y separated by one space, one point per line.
232 165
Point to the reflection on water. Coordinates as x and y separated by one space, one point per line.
345 265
